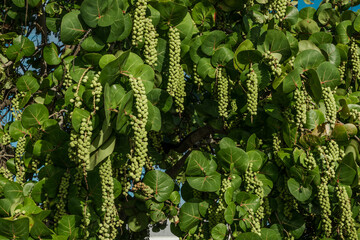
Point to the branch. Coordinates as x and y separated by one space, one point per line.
174 171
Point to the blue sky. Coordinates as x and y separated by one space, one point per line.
317 3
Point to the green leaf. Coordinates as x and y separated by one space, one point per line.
299 191
270 234
138 222
105 59
314 84
37 193
347 170
212 41
34 116
101 153
292 80
320 38
154 118
118 28
308 59
230 213
19 3
161 99
189 216
219 231
248 236
17 130
27 84
332 53
66 225
24 45
209 183
256 159
307 26
203 13
97 12
77 117
329 75
289 134
204 68
343 32
276 42
161 183
171 13
51 54
93 44
314 118
222 56
71 27
15 229
40 230
234 156
198 164
5 207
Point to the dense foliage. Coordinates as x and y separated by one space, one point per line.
232 119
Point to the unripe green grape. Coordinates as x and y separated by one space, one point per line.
151 41
252 92
330 106
176 80
273 62
355 59
139 22
19 165
300 107
62 195
346 228
223 92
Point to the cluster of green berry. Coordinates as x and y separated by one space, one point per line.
290 203
77 99
48 160
15 105
252 93
291 61
276 144
253 184
355 59
19 166
79 147
324 200
355 115
176 81
139 22
151 41
6 173
140 186
62 195
273 62
309 161
330 106
223 92
342 70
279 8
68 80
197 79
6 139
35 165
97 90
108 227
85 221
300 107
138 122
346 226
